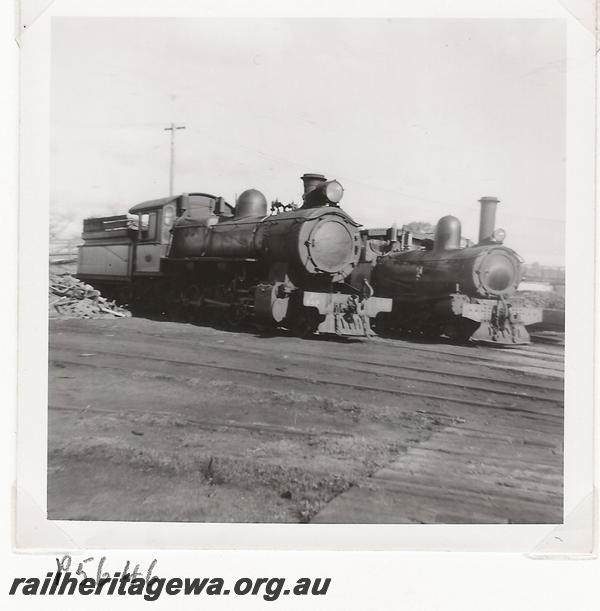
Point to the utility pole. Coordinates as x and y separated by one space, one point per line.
172 169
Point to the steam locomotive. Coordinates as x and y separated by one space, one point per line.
445 287
196 257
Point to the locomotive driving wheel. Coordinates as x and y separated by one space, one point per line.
236 314
177 306
461 330
383 323
304 322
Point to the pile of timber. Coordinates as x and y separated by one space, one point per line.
71 298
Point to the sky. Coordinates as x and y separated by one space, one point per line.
417 118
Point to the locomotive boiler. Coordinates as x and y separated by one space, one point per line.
197 257
441 287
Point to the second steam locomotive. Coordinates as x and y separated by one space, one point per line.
194 255
440 286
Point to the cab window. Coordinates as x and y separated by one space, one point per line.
148 223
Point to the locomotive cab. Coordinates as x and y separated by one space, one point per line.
158 217
118 249
155 219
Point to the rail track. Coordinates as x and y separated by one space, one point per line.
209 424
389 368
554 398
492 403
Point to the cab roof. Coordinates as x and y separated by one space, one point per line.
159 203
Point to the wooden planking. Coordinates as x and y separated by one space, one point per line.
461 476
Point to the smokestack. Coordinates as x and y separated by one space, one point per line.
487 218
392 233
312 181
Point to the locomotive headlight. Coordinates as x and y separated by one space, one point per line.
334 191
499 235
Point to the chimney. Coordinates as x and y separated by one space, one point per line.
487 218
312 181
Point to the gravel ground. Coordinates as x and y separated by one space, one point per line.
154 420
